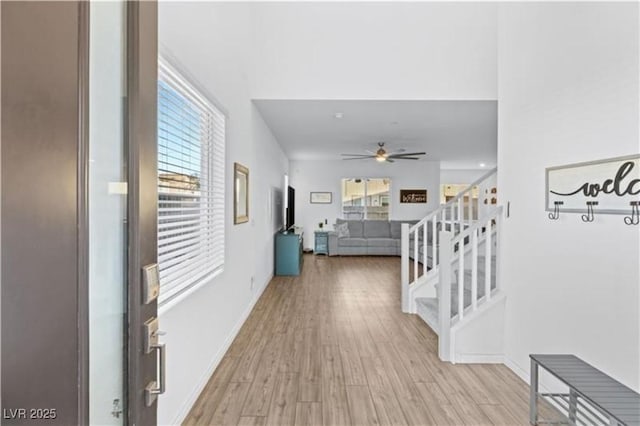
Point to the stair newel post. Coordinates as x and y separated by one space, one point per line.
444 296
404 266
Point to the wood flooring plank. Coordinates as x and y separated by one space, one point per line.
283 404
230 407
500 416
213 392
308 414
438 405
384 399
335 410
468 410
261 389
352 366
361 408
251 421
310 388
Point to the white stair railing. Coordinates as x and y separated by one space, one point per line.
420 241
453 259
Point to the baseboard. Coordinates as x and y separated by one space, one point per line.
479 359
193 397
520 372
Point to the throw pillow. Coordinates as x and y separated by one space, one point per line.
342 229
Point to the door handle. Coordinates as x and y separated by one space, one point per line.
156 388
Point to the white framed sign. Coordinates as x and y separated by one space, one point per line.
613 183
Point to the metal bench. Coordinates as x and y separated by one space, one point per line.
593 399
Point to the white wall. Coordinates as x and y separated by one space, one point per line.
212 42
568 92
307 176
385 50
460 176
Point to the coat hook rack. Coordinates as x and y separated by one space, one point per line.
634 219
590 216
555 215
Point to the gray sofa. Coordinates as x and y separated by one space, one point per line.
373 238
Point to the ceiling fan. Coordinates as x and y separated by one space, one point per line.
381 155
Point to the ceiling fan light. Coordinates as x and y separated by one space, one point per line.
381 158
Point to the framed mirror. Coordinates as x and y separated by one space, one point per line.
241 193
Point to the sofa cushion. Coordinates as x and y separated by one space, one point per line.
352 242
381 242
356 228
376 229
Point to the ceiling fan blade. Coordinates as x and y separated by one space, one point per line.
360 158
357 155
388 160
403 158
410 154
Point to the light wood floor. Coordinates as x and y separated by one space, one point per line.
331 347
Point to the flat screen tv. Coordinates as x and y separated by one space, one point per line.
291 208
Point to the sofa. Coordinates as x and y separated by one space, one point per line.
373 238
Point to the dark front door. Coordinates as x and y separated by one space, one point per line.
78 213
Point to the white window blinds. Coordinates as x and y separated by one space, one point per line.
191 144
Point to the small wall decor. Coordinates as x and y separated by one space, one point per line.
609 186
413 196
321 197
241 194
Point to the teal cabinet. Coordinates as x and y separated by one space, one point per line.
288 253
321 240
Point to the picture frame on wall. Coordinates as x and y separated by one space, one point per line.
413 196
240 194
321 197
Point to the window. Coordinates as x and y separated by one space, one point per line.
365 198
450 190
191 143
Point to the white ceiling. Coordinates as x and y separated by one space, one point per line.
459 134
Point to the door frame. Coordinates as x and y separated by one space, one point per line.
140 141
142 208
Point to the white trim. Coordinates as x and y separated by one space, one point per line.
519 371
195 393
167 305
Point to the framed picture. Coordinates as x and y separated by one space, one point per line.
321 197
613 183
413 196
241 193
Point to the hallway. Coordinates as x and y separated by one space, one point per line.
332 347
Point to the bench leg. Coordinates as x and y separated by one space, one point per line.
533 394
573 407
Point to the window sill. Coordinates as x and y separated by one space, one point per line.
168 305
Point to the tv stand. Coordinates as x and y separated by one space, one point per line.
289 252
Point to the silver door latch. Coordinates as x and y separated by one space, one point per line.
152 343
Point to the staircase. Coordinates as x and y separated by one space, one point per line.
448 275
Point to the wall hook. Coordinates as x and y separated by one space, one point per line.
634 219
589 217
556 210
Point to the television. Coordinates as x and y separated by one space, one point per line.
290 208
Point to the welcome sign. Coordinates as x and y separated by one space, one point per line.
613 183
